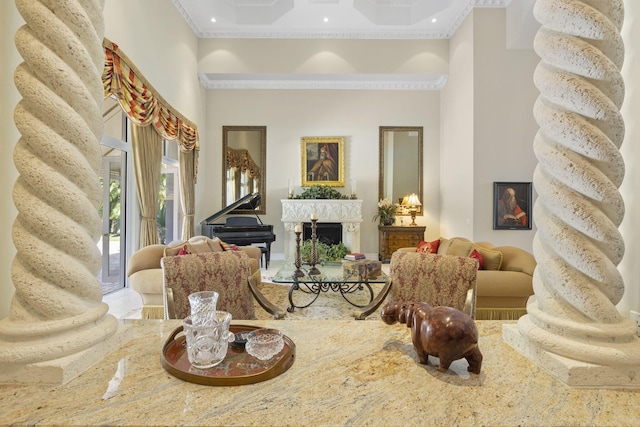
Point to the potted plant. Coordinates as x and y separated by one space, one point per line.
386 212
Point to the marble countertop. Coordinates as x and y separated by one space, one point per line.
346 372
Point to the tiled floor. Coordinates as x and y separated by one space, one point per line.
124 303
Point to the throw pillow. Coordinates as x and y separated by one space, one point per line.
460 248
491 259
475 254
228 247
428 247
199 246
172 249
443 247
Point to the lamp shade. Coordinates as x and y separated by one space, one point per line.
413 200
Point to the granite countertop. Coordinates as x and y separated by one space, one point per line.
346 372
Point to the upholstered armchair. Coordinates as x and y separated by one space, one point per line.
227 273
439 280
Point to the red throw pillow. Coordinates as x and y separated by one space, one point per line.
183 251
475 254
428 247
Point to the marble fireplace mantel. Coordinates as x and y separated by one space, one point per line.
346 212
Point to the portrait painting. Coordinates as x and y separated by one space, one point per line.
322 161
512 206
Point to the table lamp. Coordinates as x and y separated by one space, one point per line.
412 202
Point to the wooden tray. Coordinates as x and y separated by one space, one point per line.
238 367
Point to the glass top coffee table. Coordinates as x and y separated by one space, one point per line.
357 291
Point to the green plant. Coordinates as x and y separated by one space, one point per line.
320 192
324 251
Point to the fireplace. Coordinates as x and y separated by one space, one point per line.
343 213
329 233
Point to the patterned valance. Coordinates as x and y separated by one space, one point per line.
142 104
242 160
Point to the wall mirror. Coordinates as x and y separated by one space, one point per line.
400 164
244 162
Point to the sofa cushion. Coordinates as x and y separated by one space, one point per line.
504 284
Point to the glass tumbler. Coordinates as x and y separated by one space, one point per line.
207 342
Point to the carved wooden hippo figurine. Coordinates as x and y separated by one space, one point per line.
442 332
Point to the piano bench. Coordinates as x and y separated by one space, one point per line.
264 252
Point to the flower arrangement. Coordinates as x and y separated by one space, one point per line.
386 212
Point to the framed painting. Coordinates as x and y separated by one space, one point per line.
322 161
512 206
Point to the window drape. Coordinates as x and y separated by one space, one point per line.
146 108
147 165
187 193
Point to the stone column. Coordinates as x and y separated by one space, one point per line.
573 328
58 324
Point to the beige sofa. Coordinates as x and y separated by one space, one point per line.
145 272
504 284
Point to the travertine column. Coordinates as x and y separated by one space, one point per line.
57 310
573 327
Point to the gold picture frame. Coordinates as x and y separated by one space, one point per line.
322 161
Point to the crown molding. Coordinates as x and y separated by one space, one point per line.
324 82
323 34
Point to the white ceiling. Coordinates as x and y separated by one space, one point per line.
346 19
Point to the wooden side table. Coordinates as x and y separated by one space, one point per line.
393 238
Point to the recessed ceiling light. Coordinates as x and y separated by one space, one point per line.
213 19
434 20
326 19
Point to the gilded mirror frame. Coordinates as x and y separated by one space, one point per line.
234 153
382 166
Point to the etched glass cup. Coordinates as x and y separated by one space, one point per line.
203 306
264 343
207 342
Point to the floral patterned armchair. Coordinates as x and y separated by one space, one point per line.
227 273
439 280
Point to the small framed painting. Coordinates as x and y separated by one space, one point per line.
512 206
322 161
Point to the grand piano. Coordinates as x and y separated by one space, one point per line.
240 230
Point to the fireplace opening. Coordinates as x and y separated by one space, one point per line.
329 233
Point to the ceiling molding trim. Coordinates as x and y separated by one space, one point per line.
194 27
426 82
319 34
491 3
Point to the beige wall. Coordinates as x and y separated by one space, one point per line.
457 123
323 56
291 114
503 124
